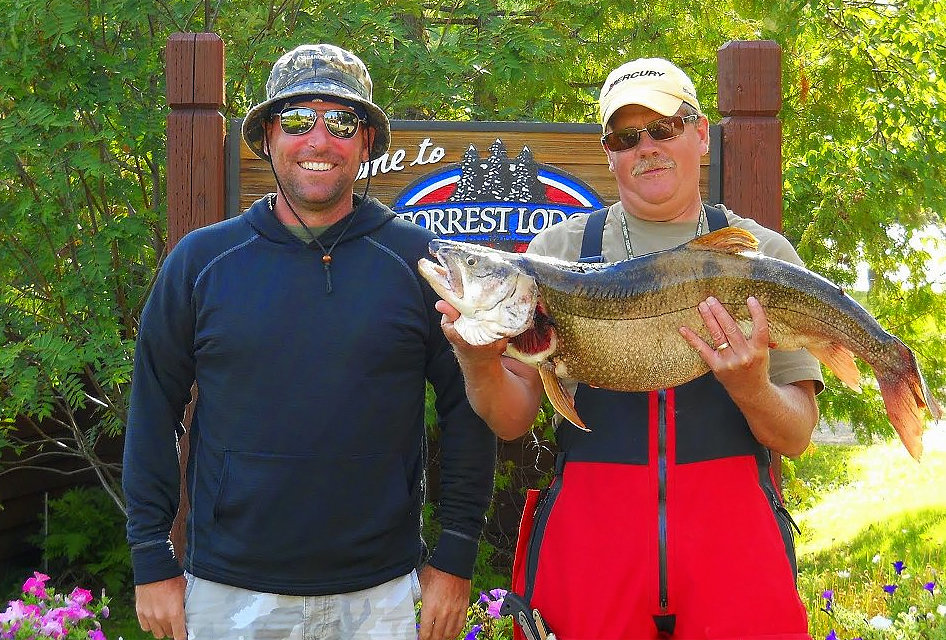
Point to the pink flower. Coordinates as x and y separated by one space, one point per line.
53 627
18 610
96 634
80 596
36 585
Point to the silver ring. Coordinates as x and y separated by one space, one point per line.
724 345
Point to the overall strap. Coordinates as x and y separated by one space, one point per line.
594 231
715 218
591 241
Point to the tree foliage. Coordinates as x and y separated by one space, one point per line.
82 198
82 177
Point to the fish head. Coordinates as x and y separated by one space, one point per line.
494 297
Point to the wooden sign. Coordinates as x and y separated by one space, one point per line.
493 182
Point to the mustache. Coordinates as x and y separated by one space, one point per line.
649 164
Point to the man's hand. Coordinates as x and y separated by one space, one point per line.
740 364
160 607
504 392
446 598
463 349
781 417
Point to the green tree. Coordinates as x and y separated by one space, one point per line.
82 180
865 166
82 201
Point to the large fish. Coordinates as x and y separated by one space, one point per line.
615 325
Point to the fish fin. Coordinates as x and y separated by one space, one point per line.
728 240
561 400
905 396
840 361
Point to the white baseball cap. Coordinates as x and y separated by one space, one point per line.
654 83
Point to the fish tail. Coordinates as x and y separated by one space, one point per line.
905 397
840 361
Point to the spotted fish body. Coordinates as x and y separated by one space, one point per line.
616 325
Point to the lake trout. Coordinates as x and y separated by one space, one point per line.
615 325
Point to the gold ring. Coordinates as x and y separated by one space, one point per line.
724 345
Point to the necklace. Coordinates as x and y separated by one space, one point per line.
627 235
326 253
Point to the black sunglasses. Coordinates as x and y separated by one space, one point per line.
660 129
299 120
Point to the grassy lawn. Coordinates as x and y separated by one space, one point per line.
861 509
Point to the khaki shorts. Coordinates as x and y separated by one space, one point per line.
220 612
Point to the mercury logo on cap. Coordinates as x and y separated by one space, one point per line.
654 83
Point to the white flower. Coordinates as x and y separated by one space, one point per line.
941 609
875 559
930 616
913 610
844 573
880 622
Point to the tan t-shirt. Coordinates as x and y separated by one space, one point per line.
563 241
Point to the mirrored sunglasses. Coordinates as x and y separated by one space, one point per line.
299 120
660 129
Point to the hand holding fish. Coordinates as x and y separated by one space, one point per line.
489 375
737 361
781 417
463 349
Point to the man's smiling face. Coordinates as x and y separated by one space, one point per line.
316 170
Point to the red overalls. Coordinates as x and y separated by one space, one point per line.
663 521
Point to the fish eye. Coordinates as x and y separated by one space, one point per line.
470 261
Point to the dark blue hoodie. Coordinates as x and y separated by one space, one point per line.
307 446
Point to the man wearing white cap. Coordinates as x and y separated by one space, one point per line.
310 335
663 521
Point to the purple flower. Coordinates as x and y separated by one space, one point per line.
493 602
831 635
890 588
472 635
898 566
929 586
828 600
96 634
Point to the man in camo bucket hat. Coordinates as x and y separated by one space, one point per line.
312 338
318 70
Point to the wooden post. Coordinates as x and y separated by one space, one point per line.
195 131
750 97
195 170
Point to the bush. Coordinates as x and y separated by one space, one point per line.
85 542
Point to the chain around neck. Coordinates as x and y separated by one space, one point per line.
627 235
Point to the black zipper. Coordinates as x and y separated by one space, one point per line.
543 509
781 510
662 498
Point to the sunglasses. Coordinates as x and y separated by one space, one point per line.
299 120
660 129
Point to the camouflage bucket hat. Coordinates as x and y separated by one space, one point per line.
324 70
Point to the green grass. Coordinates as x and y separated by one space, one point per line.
861 509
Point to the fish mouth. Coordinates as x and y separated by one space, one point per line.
444 278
